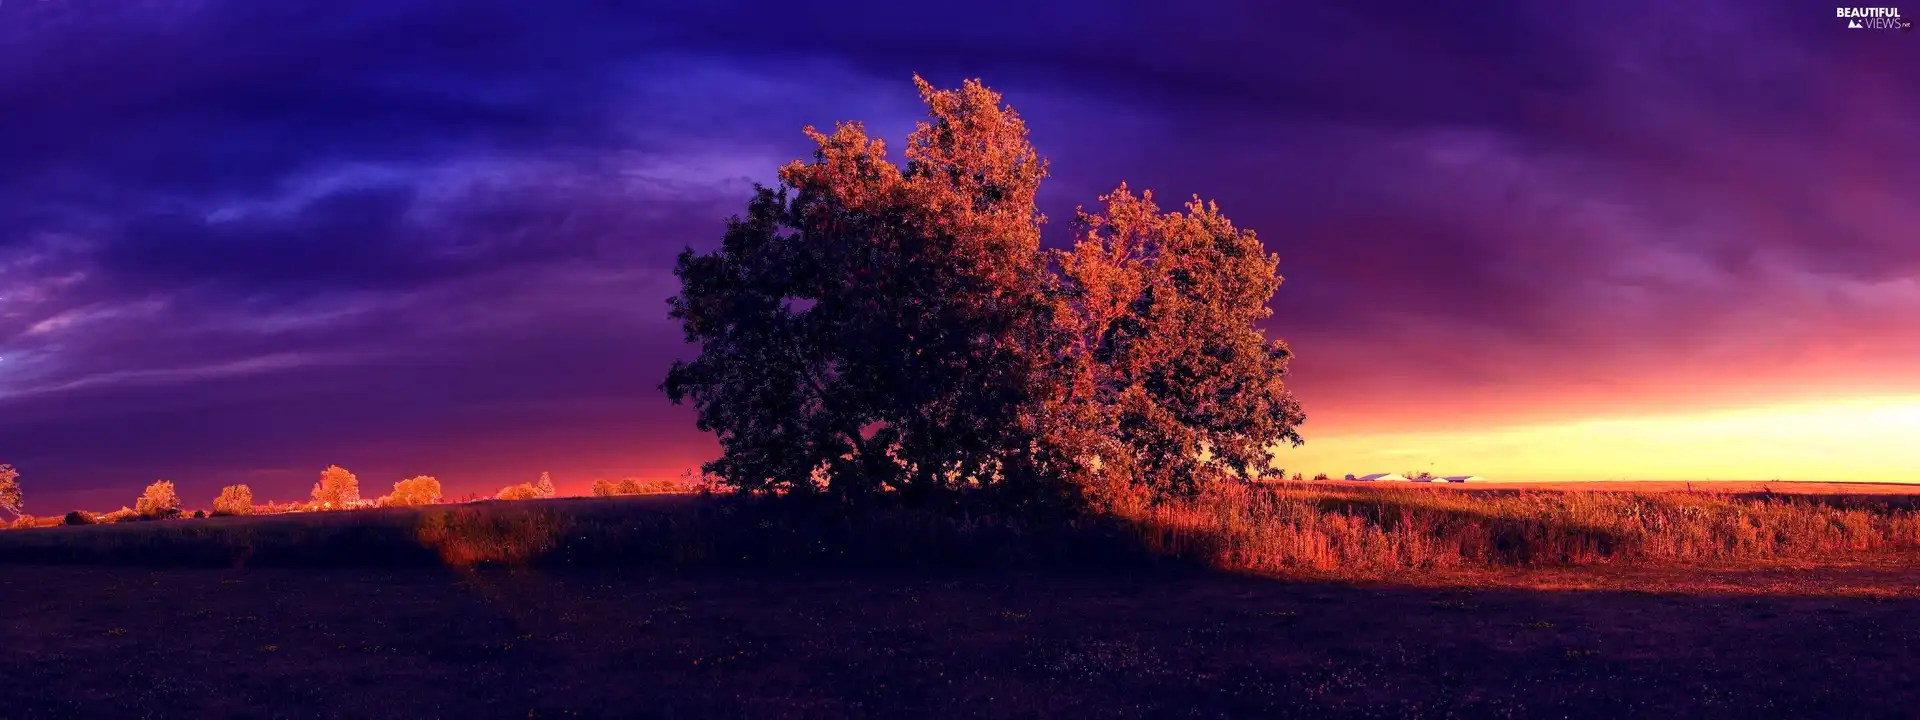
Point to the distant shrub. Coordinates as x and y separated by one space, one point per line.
412 492
518 492
199 514
234 500
24 521
77 517
1322 477
124 514
652 486
159 502
603 487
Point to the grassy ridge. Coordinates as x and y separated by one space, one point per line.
1335 528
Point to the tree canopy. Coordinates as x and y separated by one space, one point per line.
870 327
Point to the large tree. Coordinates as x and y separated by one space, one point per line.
11 499
868 326
864 326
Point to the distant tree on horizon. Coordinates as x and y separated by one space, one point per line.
337 489
234 500
603 487
159 502
12 499
629 486
545 485
414 491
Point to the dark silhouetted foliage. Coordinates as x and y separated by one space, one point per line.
77 517
870 327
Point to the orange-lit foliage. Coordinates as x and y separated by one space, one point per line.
544 487
636 486
234 500
522 491
337 489
421 490
11 499
159 501
1168 378
124 514
1364 531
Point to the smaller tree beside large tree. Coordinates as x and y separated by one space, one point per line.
544 486
337 489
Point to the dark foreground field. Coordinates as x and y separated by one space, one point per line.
108 641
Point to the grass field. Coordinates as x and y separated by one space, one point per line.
1309 601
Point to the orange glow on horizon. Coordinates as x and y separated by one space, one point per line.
1858 440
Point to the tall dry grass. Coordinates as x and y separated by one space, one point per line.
1344 528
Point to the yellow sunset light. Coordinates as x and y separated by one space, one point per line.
1861 440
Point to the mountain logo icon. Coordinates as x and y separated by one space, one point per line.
1854 25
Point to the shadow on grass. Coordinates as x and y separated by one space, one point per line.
667 532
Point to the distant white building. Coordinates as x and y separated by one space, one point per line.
1382 477
1460 478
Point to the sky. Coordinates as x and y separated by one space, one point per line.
241 241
